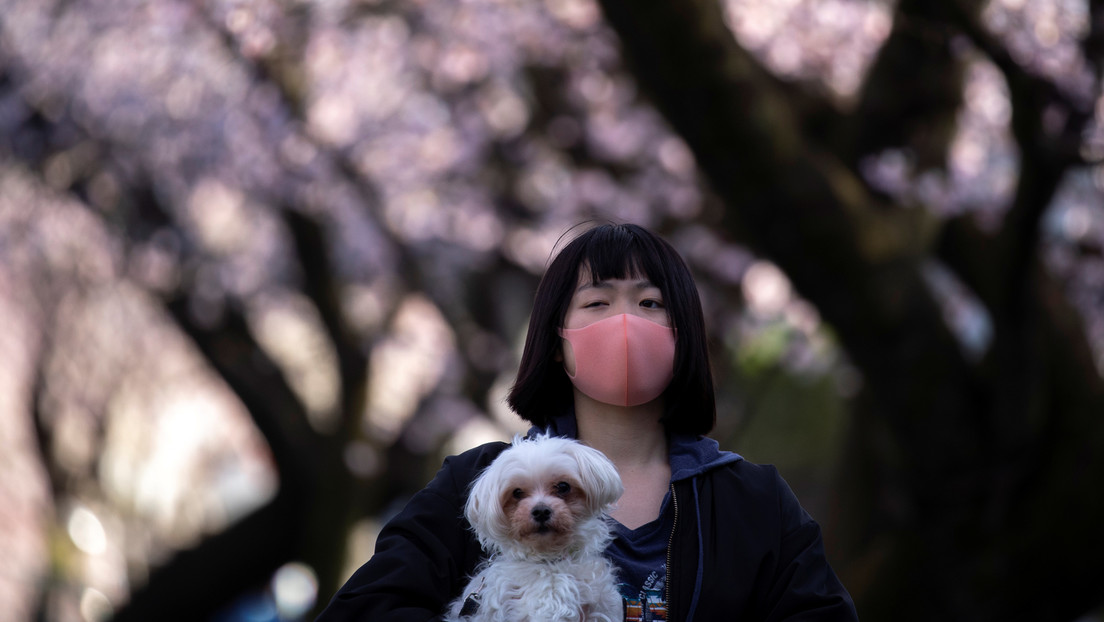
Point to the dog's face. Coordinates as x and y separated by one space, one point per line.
542 509
541 497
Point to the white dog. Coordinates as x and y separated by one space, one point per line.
539 511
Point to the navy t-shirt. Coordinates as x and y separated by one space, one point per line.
641 558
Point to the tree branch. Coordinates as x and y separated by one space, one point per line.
912 92
256 380
197 583
322 287
1047 147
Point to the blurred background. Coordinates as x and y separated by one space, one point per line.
264 263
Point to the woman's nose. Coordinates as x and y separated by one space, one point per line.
627 306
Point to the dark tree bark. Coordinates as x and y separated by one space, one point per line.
959 472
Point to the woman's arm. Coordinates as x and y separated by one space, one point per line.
423 554
804 585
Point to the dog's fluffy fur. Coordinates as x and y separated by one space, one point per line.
539 511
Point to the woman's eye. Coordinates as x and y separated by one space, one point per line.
651 304
593 303
563 488
518 493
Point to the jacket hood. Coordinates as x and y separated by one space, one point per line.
689 455
694 455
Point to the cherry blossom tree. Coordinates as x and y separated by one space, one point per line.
267 262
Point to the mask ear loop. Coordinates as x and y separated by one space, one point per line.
560 357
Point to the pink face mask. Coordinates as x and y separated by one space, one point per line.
624 360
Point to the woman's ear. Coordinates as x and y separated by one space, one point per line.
567 362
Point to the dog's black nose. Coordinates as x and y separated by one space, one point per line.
542 513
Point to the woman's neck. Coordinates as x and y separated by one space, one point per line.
632 437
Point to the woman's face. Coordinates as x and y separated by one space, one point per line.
591 302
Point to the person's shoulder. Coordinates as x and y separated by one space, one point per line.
750 478
478 457
459 470
753 485
745 468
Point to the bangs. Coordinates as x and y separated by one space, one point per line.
616 253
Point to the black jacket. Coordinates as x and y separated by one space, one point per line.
742 549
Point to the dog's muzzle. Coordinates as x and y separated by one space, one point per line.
542 514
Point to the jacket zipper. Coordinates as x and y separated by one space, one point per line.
670 543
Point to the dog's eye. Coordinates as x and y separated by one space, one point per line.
518 493
563 488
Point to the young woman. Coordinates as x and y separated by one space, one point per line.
616 357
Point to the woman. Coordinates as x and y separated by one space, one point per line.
616 356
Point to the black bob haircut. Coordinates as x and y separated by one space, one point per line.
613 251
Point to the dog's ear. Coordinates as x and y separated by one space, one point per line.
484 508
599 477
